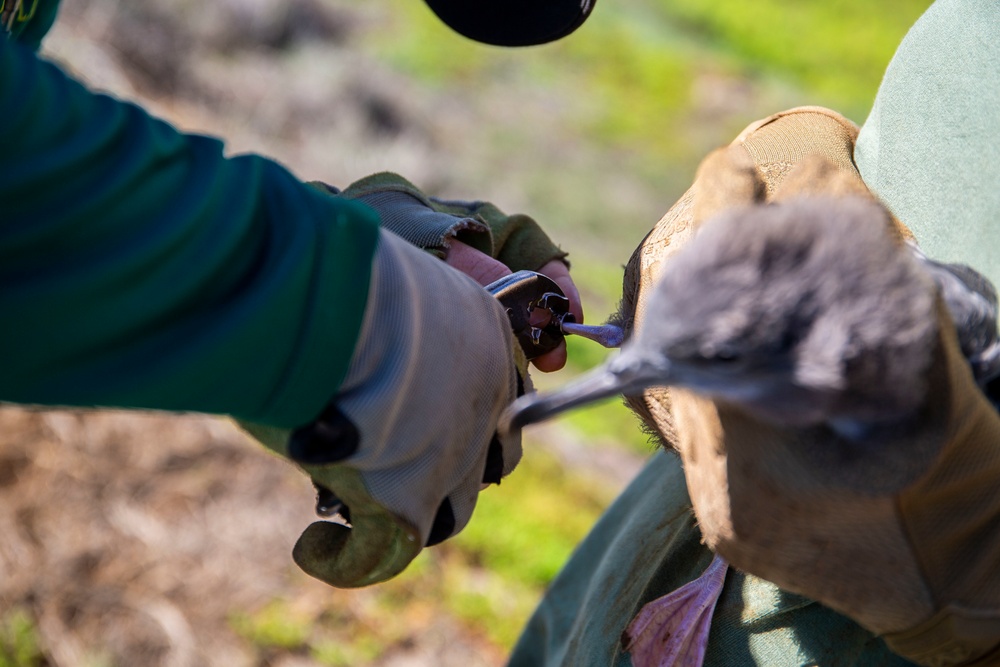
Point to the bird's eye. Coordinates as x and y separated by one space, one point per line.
725 356
714 353
789 339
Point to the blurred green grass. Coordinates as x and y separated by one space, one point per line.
633 67
835 49
19 646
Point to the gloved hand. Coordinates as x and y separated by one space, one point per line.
516 240
902 535
409 439
466 235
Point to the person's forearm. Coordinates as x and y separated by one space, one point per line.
141 268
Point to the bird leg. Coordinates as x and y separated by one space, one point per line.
673 630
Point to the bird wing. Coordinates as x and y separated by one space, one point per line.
972 303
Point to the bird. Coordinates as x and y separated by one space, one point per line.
972 303
809 313
802 313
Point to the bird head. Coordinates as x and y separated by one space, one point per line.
802 312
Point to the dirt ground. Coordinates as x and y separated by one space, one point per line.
134 539
137 529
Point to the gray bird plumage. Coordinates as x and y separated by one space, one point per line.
802 313
972 303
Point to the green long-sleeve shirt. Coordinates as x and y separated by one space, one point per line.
139 267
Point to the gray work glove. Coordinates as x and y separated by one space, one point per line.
406 444
515 240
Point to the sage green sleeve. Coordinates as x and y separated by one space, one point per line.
646 545
930 148
140 267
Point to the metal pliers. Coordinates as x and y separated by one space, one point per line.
539 314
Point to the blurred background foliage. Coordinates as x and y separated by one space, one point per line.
595 136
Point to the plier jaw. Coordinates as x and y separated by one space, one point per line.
537 309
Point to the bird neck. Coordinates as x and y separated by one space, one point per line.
855 430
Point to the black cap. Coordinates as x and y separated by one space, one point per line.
513 22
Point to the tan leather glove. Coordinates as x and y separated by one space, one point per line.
913 557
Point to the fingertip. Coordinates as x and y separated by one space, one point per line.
477 265
551 361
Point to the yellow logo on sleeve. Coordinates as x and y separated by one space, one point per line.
16 11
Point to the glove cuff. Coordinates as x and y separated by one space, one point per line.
519 241
410 214
953 636
430 223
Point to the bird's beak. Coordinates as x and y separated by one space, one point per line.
629 372
532 408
